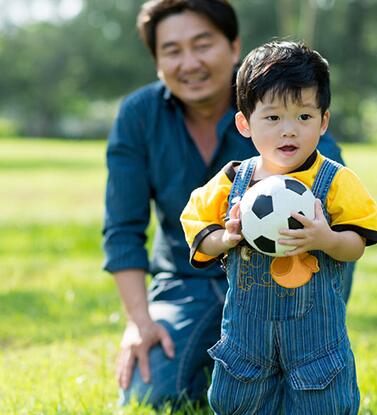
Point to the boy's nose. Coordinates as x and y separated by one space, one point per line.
288 130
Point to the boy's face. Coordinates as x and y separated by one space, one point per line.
285 134
194 58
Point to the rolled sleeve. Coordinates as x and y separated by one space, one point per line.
351 207
127 199
205 213
197 258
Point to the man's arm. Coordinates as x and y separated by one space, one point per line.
329 148
127 198
141 332
127 216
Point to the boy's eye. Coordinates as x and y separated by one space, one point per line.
304 117
273 117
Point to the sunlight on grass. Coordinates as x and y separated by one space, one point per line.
63 377
362 328
51 181
61 319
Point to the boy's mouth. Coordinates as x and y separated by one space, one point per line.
288 149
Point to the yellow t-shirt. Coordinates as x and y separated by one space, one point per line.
349 205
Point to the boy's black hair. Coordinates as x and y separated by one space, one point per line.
282 69
219 12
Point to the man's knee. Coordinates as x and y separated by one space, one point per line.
142 394
154 393
163 382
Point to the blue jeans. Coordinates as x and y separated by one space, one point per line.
190 309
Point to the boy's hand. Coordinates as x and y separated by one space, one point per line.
316 233
232 234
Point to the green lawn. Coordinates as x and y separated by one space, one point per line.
60 317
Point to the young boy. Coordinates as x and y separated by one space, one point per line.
283 349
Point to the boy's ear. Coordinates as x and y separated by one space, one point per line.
242 124
325 122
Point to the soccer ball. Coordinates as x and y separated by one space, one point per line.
266 208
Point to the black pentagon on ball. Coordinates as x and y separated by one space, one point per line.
262 206
294 223
265 244
295 186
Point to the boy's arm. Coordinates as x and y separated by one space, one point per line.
353 221
205 214
344 246
220 241
213 244
317 235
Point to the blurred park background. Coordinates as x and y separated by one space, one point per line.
64 67
64 64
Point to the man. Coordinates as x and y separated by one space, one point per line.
169 138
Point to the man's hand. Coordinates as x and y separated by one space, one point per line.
135 346
142 332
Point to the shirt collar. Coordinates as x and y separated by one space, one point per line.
307 163
168 96
305 166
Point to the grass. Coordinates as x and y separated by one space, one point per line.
61 319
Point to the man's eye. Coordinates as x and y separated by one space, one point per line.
304 117
203 46
171 52
273 117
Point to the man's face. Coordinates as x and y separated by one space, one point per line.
194 58
284 133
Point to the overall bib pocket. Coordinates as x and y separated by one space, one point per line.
259 295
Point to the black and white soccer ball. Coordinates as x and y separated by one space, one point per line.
266 208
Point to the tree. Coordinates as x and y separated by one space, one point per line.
50 72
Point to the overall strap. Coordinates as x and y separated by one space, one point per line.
241 182
323 180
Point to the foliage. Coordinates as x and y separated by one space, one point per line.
43 73
61 319
53 73
8 128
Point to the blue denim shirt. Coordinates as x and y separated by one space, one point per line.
151 158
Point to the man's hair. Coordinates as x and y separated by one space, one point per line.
219 12
282 69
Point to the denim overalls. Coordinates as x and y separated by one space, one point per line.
283 350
